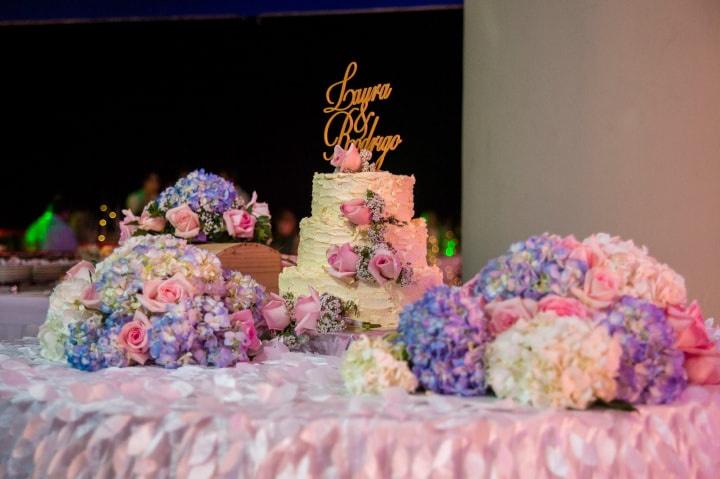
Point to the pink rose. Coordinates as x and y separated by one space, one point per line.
503 314
347 160
258 209
342 261
703 367
669 287
151 223
239 223
307 312
157 294
184 220
247 325
356 211
275 313
601 287
384 266
563 306
689 326
128 226
83 269
133 338
90 298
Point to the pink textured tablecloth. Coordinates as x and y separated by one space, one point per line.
289 417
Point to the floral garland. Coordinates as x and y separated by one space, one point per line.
563 323
155 300
201 207
377 262
292 320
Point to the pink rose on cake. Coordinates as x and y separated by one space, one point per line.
151 223
347 161
133 338
239 223
563 306
503 314
342 262
184 220
157 294
356 211
307 312
384 266
601 288
275 313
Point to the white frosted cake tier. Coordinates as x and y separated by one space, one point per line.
376 304
330 190
317 236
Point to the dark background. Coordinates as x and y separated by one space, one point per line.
88 109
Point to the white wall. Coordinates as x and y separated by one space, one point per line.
584 116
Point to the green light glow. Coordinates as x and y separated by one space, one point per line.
450 248
36 234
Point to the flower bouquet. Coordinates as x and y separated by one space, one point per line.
154 300
201 207
559 322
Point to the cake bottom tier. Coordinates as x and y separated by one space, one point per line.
376 304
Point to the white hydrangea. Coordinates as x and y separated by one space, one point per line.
372 365
65 309
554 361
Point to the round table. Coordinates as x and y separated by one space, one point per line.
288 416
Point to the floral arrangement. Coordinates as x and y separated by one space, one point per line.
292 320
377 262
201 207
373 365
559 322
351 160
154 300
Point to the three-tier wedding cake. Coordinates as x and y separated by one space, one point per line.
361 242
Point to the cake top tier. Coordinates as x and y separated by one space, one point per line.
330 190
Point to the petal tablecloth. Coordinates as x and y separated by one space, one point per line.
289 417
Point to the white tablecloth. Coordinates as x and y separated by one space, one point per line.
21 314
290 417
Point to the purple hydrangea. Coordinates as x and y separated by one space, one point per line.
533 268
200 331
444 334
651 369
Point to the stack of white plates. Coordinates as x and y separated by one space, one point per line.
48 273
15 273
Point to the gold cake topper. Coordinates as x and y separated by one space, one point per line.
351 122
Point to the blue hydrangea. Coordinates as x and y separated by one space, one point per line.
81 348
531 269
202 191
651 369
444 334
